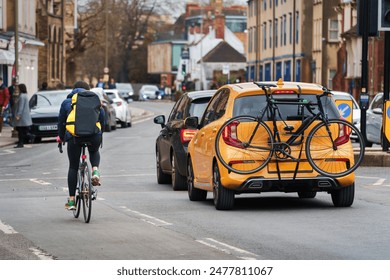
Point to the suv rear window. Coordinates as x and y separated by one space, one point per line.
254 105
198 106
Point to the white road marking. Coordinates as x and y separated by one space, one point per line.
7 229
41 182
40 254
62 178
231 250
379 182
7 152
147 218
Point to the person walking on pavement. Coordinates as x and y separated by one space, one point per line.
74 145
4 100
22 120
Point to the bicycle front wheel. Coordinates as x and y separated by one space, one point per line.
86 192
244 144
330 151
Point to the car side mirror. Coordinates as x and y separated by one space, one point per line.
191 122
378 111
160 119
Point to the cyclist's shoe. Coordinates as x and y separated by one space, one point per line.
96 178
71 205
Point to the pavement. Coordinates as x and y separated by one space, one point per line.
373 156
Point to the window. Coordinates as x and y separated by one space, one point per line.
331 74
284 30
291 27
276 32
281 31
254 105
216 107
265 35
333 30
297 28
270 34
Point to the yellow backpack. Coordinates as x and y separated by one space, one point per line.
83 119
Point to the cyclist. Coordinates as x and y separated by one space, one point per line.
75 144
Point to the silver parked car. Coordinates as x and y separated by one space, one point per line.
149 92
374 120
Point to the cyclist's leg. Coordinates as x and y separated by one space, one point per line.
94 157
74 152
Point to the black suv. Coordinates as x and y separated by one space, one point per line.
172 142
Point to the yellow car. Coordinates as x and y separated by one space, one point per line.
291 153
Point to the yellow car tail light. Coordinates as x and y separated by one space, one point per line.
229 135
344 134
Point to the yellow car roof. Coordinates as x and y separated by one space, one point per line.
304 88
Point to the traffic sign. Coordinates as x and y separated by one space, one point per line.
345 108
386 120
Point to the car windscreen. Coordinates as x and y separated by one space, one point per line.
110 95
48 99
198 107
254 105
151 89
127 87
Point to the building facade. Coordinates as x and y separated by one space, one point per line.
27 47
51 30
278 45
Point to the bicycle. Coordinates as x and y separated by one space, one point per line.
248 143
85 192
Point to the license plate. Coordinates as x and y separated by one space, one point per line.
47 127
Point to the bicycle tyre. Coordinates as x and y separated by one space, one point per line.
87 192
329 161
76 212
248 149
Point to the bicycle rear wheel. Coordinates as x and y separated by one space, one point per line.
86 192
330 151
244 145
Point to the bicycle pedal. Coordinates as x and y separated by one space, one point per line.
94 194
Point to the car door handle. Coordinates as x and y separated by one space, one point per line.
202 134
214 130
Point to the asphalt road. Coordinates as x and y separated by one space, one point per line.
134 218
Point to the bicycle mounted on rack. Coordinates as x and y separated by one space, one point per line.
327 145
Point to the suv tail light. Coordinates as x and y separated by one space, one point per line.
344 134
118 103
187 134
229 135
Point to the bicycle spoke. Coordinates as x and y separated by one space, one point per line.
330 150
243 145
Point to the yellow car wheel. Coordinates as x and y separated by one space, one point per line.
223 197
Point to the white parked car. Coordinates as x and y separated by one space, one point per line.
149 92
122 110
125 91
339 95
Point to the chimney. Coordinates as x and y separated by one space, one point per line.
219 26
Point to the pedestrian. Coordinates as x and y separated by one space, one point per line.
101 83
4 100
22 120
111 84
44 86
74 144
11 90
